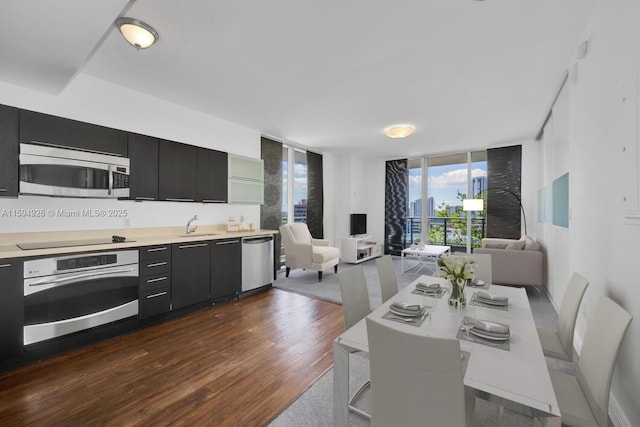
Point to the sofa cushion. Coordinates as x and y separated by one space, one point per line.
323 254
496 245
516 245
530 244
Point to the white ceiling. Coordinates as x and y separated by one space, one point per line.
329 75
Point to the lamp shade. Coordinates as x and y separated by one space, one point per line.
137 33
472 204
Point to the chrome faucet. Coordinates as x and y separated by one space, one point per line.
194 228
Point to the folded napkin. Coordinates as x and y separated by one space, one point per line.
492 327
404 308
490 297
434 287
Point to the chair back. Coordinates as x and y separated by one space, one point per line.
482 270
355 295
297 232
415 379
568 313
600 346
387 276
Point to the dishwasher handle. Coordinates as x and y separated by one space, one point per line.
256 240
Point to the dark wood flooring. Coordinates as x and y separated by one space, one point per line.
235 364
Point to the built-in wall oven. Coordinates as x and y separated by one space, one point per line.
66 294
55 171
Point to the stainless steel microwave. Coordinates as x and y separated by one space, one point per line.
56 171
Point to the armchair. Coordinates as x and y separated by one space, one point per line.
303 251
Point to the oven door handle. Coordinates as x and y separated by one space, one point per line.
110 172
76 278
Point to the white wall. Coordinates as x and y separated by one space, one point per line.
95 101
601 155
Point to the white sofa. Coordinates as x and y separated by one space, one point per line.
514 262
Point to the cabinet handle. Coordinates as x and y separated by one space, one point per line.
228 242
169 199
159 279
157 249
213 201
5 265
159 294
199 245
144 198
156 264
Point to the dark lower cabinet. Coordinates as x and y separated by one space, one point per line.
189 274
155 280
9 150
226 268
11 308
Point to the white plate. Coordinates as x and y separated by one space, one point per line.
487 336
419 313
477 283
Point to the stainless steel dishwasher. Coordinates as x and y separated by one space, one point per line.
257 262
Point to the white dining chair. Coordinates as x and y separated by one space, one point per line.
387 276
559 343
482 269
416 380
584 399
355 306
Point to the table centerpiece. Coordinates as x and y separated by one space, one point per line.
457 270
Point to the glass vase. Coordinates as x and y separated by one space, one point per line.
457 298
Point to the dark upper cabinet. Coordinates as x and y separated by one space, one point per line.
9 151
48 129
177 171
189 274
11 308
212 176
226 268
143 178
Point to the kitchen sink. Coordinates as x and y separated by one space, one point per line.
200 234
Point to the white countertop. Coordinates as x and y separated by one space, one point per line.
135 237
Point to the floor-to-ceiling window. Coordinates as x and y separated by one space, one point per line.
294 187
437 187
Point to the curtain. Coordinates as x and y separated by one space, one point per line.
395 205
504 200
315 198
271 210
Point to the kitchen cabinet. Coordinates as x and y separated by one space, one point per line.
189 274
177 168
246 180
226 268
9 151
143 157
38 127
211 176
11 308
154 292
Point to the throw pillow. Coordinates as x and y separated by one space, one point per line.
496 245
517 245
531 245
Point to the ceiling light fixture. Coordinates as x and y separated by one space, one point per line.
139 34
399 131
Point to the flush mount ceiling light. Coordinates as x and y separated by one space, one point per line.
399 131
139 34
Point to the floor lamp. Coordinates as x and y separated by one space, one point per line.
471 205
504 190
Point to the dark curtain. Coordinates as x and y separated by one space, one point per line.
315 198
395 205
271 210
504 167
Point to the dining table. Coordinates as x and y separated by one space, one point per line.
511 373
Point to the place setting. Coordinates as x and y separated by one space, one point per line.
485 299
486 332
410 314
435 290
477 284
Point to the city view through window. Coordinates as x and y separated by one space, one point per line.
447 187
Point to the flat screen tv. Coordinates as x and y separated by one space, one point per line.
358 224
